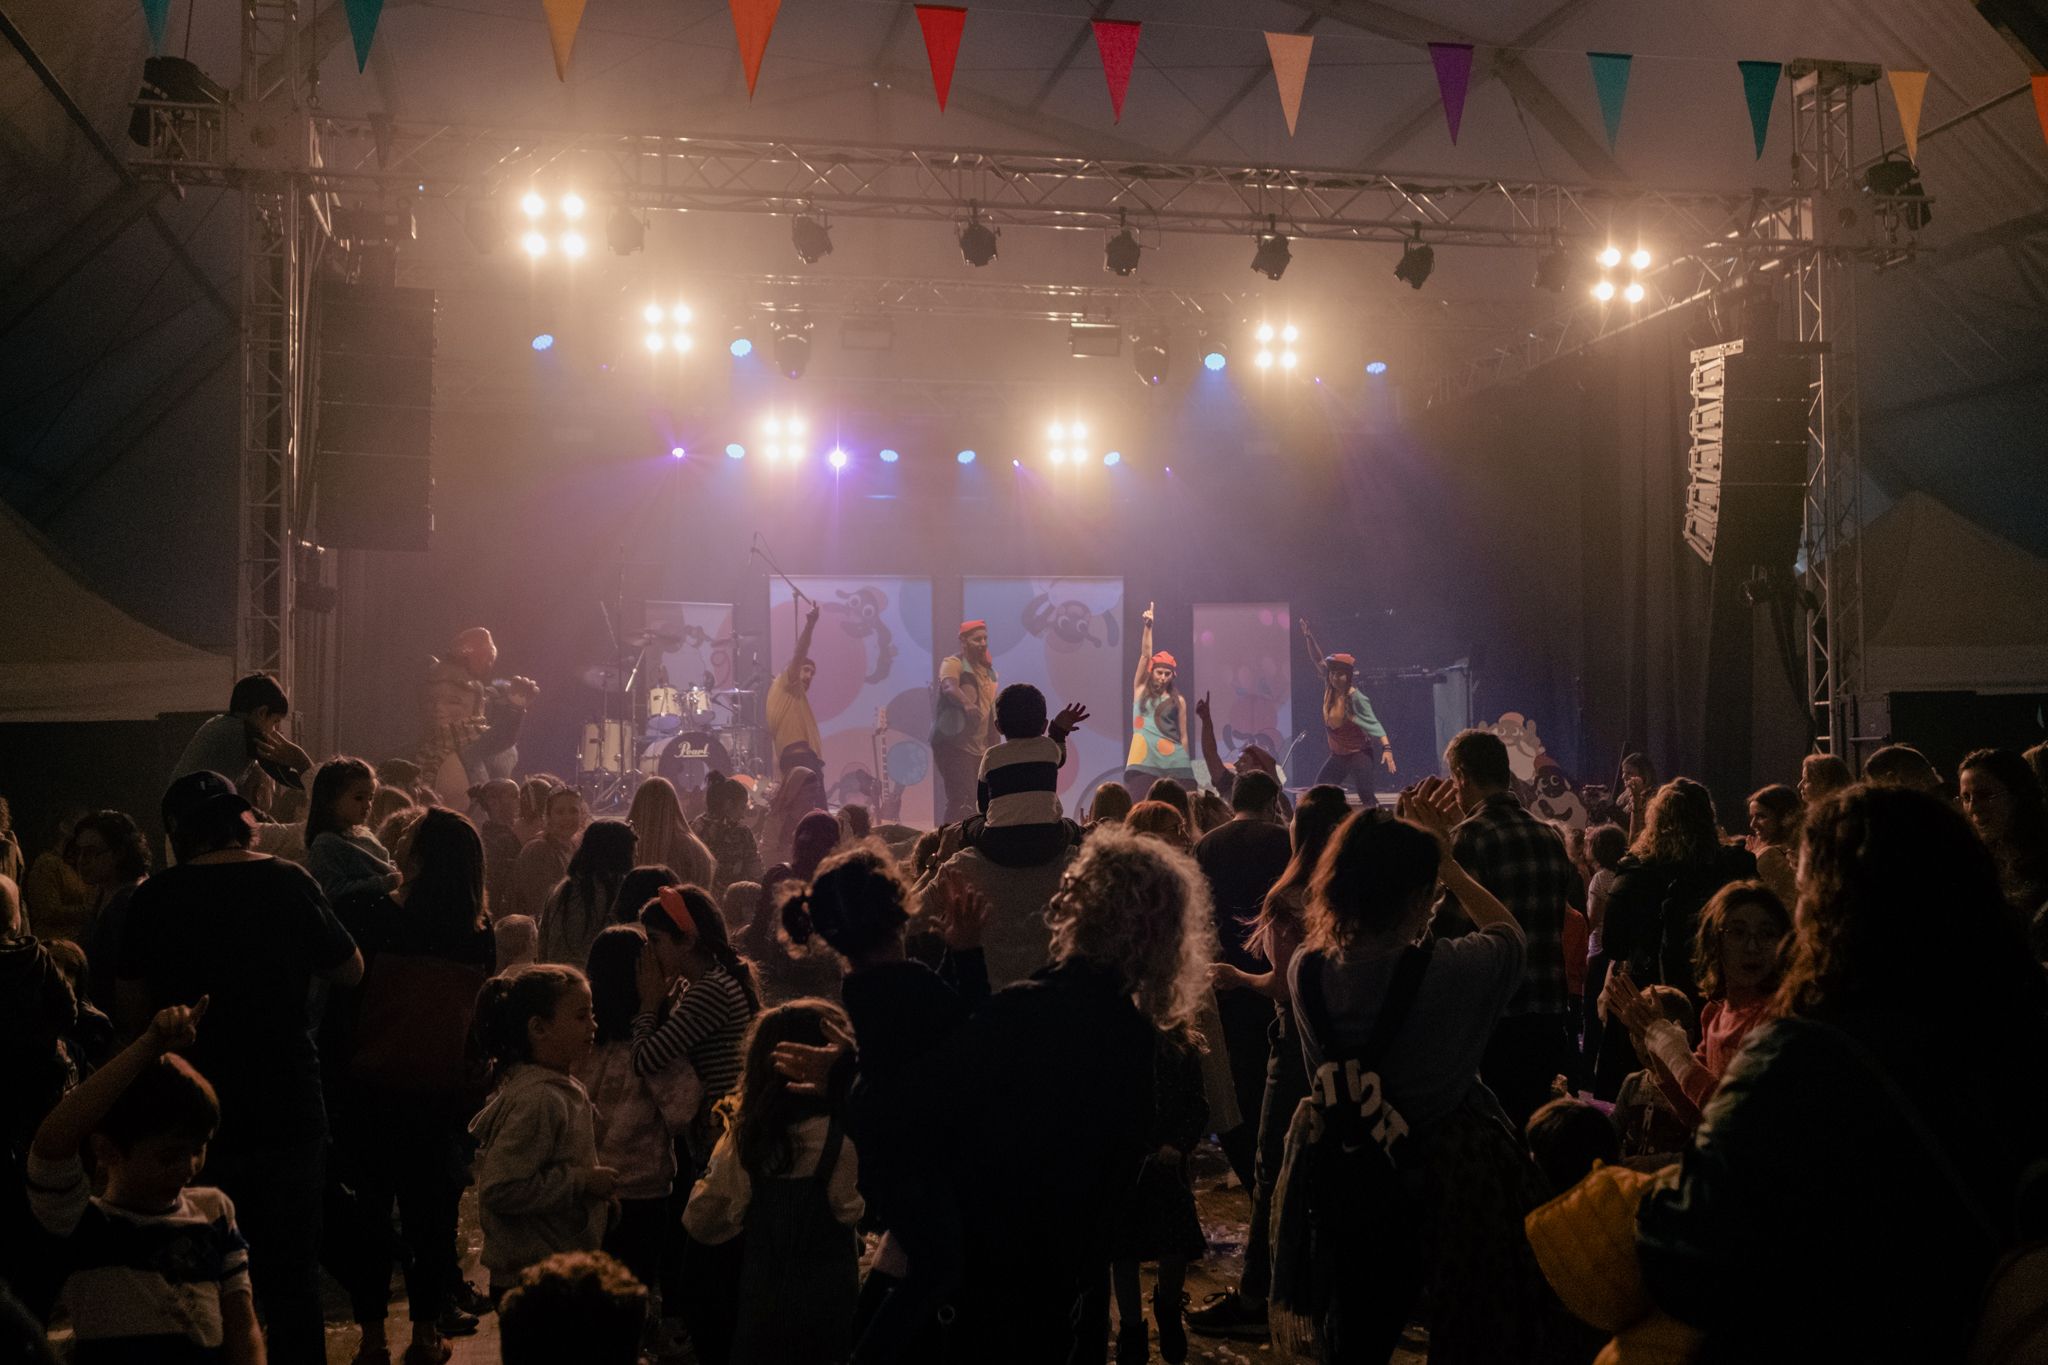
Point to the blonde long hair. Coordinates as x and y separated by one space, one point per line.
665 838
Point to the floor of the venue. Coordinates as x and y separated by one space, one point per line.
1224 1211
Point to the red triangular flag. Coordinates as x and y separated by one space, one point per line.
2041 102
563 17
1453 63
752 22
1117 41
942 25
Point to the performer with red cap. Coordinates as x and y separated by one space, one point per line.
1357 739
1159 715
963 721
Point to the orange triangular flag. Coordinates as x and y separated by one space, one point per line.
2041 103
563 17
1909 89
1289 52
752 22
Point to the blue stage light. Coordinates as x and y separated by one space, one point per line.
889 456
1113 457
741 347
837 458
1376 367
965 457
1214 361
735 451
545 341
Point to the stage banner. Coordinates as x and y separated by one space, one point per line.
704 658
1066 637
873 649
1244 663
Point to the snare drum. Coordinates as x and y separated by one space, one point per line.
603 749
697 705
686 759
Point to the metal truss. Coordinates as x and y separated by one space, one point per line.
376 158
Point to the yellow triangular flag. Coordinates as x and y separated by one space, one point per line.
1290 70
563 17
1909 88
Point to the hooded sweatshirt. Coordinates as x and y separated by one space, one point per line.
538 1141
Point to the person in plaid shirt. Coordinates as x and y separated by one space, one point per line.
1523 861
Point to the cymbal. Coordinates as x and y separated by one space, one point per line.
733 692
602 677
651 639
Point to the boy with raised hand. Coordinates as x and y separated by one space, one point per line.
158 1271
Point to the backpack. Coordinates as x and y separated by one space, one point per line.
413 1025
1361 1167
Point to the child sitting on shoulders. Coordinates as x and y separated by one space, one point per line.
341 852
158 1270
540 1188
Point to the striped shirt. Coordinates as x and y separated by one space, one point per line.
1020 781
141 1285
707 1021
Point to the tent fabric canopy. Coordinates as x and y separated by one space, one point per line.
1948 606
71 656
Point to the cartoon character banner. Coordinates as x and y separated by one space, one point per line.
1540 780
1244 664
1065 636
873 648
704 658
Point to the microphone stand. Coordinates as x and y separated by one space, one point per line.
796 594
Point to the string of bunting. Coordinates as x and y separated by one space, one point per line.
1116 44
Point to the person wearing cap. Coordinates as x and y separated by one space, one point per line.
1357 739
1159 720
964 721
250 934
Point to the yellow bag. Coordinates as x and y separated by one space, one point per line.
1585 1242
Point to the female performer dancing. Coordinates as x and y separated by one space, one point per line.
1357 739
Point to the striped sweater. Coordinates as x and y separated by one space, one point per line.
707 1022
1020 782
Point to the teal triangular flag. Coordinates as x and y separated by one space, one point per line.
156 13
362 26
1760 88
1610 79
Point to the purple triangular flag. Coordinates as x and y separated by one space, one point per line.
1453 63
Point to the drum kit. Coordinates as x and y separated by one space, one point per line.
648 727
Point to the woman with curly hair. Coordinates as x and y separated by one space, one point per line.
1864 1163
1042 1105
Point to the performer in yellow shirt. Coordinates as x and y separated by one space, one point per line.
964 721
792 725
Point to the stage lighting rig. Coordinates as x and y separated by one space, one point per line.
1272 257
811 237
793 348
1215 351
1276 346
977 239
785 436
1618 274
1553 270
1120 254
1418 259
554 225
1069 443
666 326
1150 357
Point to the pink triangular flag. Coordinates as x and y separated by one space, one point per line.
1289 52
1909 91
752 22
1453 62
563 17
942 25
1117 41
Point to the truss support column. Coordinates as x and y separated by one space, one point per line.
1823 127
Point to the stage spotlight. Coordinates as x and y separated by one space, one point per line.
1016 464
535 244
1553 270
681 341
1214 360
796 426
1112 457
676 452
741 347
1264 359
965 457
735 451
1609 257
545 341
1376 367
533 204
1897 178
654 343
811 238
793 350
1150 358
1640 260
1120 255
1287 360
652 312
573 245
680 314
1418 258
1634 292
624 233
1265 333
1078 432
772 426
1604 291
977 243
1057 455
1056 432
1272 257
774 451
837 457
888 456
1215 351
572 206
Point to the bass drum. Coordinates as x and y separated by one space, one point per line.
686 759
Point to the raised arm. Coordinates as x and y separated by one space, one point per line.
79 1112
1315 651
1144 652
803 644
1211 755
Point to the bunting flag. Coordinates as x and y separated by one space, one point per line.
1117 41
942 25
362 26
563 17
1760 89
1453 62
1610 82
1909 89
752 22
1289 52
156 13
2041 103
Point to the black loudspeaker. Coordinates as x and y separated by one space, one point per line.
373 473
1745 500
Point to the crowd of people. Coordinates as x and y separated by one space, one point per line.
743 1082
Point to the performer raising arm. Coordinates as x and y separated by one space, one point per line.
792 725
1159 746
1357 739
964 722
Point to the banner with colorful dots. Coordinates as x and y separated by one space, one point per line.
873 649
1068 638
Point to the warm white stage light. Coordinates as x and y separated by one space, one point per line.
535 244
534 205
1641 260
652 312
654 342
1634 292
572 206
1604 290
1289 333
1264 360
1265 332
1056 432
1287 360
681 313
1610 257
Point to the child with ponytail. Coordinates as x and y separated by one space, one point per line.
540 1186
